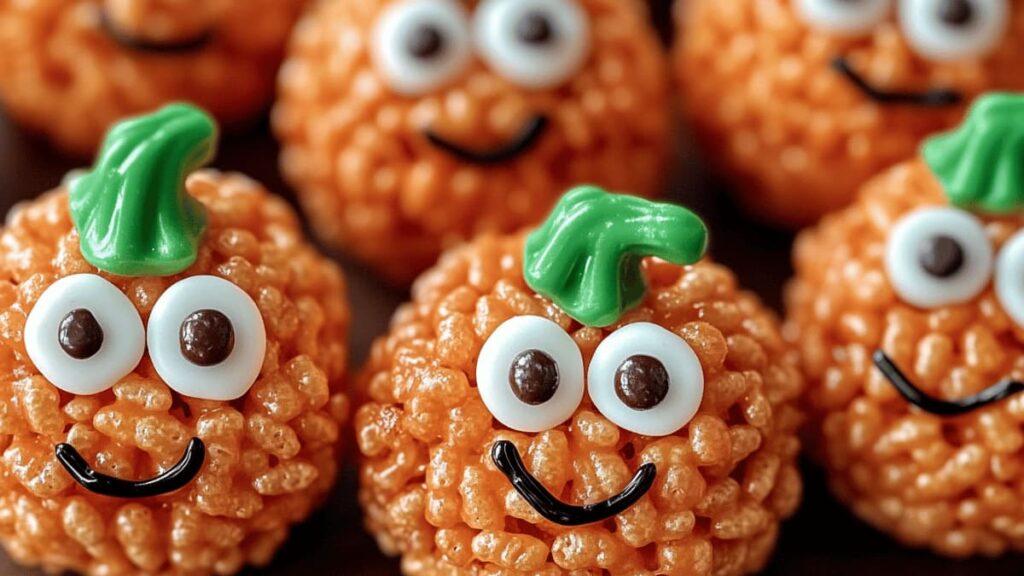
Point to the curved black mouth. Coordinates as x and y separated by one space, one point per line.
935 98
176 478
131 42
521 144
919 398
507 459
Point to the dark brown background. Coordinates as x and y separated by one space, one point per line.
822 539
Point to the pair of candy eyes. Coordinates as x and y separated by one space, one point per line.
943 256
940 30
421 45
205 337
643 378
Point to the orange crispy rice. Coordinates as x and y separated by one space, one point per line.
937 468
71 68
795 135
355 140
432 493
271 455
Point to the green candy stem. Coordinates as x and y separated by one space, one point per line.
586 258
132 213
981 164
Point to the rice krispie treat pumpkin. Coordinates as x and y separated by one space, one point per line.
171 360
71 68
560 402
799 102
908 307
408 126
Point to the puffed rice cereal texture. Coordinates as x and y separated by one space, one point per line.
71 68
949 484
432 495
372 183
271 456
792 135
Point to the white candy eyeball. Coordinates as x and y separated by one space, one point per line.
947 30
938 256
84 334
537 44
530 374
207 339
845 17
421 45
646 380
1010 278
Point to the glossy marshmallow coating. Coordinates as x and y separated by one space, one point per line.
271 456
430 489
794 137
66 77
355 143
948 484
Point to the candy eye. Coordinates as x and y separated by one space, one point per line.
536 43
84 334
938 256
530 374
1010 278
421 45
954 29
844 16
646 380
207 339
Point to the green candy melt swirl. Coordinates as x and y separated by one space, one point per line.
132 213
587 257
981 164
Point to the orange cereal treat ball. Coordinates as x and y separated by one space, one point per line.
799 102
71 68
408 126
908 308
172 357
552 404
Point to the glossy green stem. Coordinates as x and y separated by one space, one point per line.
587 257
133 215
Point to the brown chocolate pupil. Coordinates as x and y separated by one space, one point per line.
641 382
207 338
425 42
535 28
956 12
80 335
942 256
533 377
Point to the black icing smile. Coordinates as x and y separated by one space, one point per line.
917 397
176 478
521 144
935 98
508 461
131 42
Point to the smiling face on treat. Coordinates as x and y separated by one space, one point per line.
410 125
171 363
800 102
909 307
560 402
72 68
